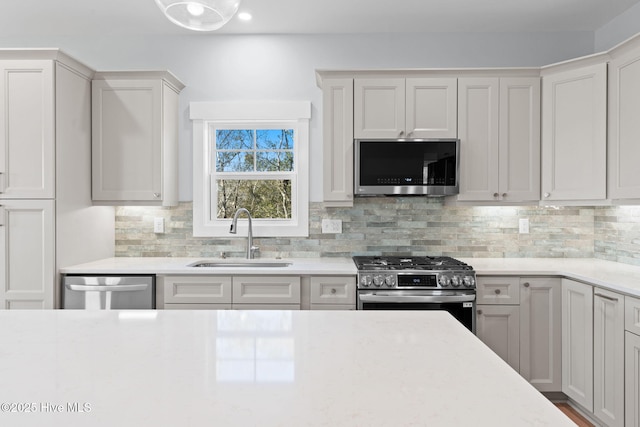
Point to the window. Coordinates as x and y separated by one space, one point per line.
253 156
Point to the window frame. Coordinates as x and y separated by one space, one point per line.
250 115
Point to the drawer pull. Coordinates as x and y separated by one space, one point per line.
606 297
497 291
333 290
525 284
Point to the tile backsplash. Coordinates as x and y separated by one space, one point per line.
404 225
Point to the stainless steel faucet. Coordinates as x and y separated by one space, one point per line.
234 228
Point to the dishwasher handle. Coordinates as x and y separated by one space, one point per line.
107 288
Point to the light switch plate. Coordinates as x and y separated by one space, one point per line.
158 225
333 226
523 225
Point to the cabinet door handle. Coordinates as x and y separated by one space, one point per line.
401 133
504 194
156 195
497 291
479 311
606 297
495 194
525 284
547 195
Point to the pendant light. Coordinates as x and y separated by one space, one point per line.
199 15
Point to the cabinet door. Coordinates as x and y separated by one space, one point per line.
608 357
379 108
632 380
478 132
498 326
266 290
431 110
127 140
519 147
27 130
337 111
574 139
27 248
540 332
577 342
196 289
624 126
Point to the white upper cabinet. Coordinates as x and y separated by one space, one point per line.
337 110
27 129
624 126
499 129
574 133
135 138
405 108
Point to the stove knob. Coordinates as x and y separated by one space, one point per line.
378 280
469 281
455 281
365 280
444 281
390 280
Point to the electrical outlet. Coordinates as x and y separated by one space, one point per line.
333 226
523 224
158 225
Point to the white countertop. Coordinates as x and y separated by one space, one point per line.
611 275
258 368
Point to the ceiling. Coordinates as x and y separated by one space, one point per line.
115 17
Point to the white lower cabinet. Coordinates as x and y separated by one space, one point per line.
608 357
498 326
632 362
519 318
226 292
632 379
27 254
540 332
577 342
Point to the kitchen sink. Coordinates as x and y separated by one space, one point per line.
242 264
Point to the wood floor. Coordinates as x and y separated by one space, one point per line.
574 415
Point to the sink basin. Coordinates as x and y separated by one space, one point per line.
240 264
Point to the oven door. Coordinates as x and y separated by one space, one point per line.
461 304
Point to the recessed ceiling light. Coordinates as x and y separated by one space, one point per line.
244 16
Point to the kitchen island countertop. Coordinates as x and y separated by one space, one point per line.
257 368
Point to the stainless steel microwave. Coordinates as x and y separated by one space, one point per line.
406 167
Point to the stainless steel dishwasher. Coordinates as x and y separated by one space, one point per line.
108 292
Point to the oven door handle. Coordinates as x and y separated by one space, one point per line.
386 297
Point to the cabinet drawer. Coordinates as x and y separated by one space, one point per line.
632 314
498 290
197 289
333 290
266 290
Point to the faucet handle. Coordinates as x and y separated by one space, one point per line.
253 251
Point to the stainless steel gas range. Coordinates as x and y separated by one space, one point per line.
417 283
